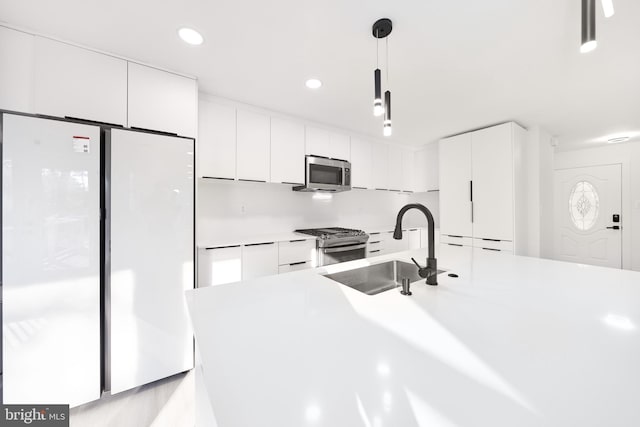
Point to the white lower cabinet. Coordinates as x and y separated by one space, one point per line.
502 246
219 265
296 255
295 266
259 260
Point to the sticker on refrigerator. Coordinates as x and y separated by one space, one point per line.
81 144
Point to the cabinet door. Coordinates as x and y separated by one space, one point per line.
75 82
253 146
455 185
408 170
339 146
162 101
259 260
414 239
216 140
317 141
361 159
217 266
395 168
492 166
426 164
287 151
16 70
380 170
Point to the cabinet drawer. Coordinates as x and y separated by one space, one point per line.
456 240
296 251
501 245
294 267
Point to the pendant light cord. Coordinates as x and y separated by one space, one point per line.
387 53
377 49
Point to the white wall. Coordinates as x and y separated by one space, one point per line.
627 155
236 209
538 163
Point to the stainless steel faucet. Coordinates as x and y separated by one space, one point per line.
430 272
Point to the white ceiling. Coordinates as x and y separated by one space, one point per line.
455 65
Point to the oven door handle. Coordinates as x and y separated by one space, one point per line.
343 248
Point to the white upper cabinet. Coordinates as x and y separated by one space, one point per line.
16 70
380 166
395 167
162 101
493 182
316 141
216 140
409 176
455 186
75 82
253 146
361 163
339 146
426 168
287 151
321 142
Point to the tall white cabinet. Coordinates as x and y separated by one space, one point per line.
480 201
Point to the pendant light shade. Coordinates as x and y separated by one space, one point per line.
588 26
378 109
386 126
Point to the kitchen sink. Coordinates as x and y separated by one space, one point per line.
377 278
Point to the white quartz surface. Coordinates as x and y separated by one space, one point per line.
513 341
248 240
222 241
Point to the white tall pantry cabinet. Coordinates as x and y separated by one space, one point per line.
481 203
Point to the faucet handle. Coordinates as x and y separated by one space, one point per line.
422 271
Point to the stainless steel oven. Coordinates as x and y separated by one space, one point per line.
335 244
336 254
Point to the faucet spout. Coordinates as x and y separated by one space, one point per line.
432 265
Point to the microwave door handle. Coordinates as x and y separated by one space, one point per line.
343 248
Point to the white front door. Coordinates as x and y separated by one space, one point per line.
587 221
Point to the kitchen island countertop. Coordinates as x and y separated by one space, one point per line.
513 341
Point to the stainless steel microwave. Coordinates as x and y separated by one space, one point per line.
324 174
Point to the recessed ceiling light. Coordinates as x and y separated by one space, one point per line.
313 83
618 139
191 36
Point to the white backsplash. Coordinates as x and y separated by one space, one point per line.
228 209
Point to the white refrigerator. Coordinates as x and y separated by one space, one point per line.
97 250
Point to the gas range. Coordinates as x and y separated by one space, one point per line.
330 236
336 244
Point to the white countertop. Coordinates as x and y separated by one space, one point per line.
248 240
275 237
513 341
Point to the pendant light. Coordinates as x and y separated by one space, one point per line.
381 29
607 8
588 26
386 126
378 109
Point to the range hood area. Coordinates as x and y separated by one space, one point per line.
323 174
